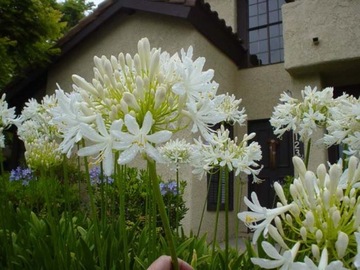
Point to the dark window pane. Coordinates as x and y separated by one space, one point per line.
274 43
263 46
253 35
264 58
263 33
254 48
251 2
274 31
253 21
275 56
262 19
262 8
273 5
281 2
253 10
273 16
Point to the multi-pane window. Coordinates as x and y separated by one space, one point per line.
265 30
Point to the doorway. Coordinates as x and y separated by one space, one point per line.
277 160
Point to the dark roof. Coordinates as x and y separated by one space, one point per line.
197 12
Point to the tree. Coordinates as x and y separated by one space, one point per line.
29 30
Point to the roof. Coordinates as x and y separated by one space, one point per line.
197 12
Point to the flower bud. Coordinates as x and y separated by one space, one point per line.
83 84
131 101
336 218
319 235
299 166
309 220
279 226
353 161
339 193
160 95
321 174
288 219
276 236
326 199
357 217
341 244
280 193
137 64
293 191
303 233
140 88
154 64
334 173
315 251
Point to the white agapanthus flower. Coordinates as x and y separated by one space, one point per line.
153 93
40 136
322 213
302 116
177 152
7 118
279 261
222 151
344 124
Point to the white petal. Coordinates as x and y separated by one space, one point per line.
270 250
128 155
131 124
90 150
159 137
147 124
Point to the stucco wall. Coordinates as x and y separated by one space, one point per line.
121 34
336 24
226 10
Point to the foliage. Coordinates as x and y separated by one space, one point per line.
29 30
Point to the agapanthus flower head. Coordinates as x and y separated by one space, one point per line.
322 213
304 116
176 152
40 136
343 125
222 151
7 118
152 93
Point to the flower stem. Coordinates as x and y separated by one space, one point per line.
226 178
219 191
164 218
307 153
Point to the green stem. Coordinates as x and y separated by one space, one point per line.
217 215
121 173
164 218
307 153
238 208
226 176
204 206
177 202
93 211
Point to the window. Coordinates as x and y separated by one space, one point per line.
265 31
216 183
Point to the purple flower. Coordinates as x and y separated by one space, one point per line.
169 187
96 177
19 174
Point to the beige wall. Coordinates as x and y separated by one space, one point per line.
226 10
336 23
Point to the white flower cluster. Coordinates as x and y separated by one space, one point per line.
35 128
222 151
344 124
135 103
319 228
6 120
302 117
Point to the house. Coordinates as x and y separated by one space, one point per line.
258 49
